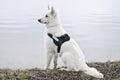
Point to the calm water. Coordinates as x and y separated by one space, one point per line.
21 39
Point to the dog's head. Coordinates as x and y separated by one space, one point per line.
50 17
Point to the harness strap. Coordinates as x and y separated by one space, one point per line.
58 41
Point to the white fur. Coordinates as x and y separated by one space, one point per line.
70 53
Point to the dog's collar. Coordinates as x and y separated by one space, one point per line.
58 41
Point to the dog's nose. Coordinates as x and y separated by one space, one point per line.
39 20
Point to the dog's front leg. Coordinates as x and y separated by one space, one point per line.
55 60
49 58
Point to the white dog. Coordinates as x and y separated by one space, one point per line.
58 43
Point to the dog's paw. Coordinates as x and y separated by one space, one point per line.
64 68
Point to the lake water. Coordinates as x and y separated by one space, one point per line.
21 39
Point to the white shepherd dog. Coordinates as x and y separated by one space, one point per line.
59 43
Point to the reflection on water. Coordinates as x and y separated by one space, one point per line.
21 40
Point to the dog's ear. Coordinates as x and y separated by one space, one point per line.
53 12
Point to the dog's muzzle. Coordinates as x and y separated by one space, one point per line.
39 20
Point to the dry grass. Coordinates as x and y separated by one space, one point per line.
111 71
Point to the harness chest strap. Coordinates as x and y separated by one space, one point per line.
58 41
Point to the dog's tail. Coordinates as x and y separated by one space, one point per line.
93 72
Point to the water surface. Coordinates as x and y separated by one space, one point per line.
21 39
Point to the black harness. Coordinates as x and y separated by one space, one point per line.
58 41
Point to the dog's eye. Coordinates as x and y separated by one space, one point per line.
46 16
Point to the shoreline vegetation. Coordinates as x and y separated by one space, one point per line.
111 71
